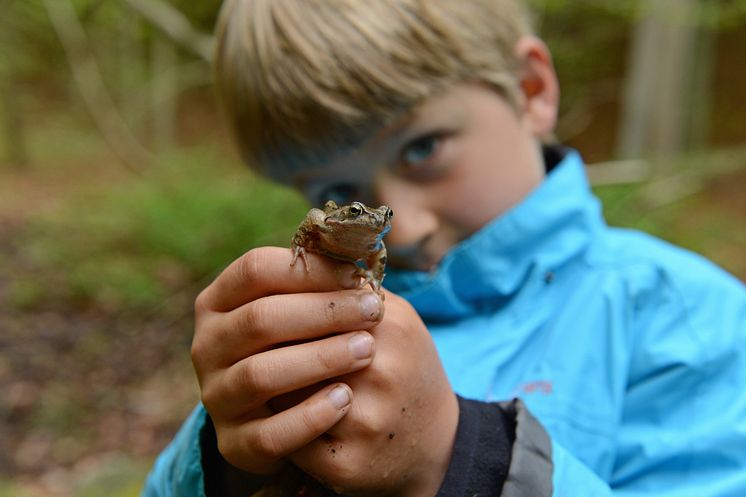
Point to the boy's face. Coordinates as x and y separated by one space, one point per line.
446 169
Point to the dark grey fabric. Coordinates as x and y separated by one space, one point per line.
531 466
481 453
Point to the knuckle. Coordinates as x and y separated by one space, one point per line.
202 348
249 265
253 377
210 398
254 318
370 426
209 333
265 445
229 449
326 360
312 423
197 351
201 301
344 472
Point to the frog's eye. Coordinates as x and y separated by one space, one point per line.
389 213
356 210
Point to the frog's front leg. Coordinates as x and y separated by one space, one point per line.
307 234
373 275
298 250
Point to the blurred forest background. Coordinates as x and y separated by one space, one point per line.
121 197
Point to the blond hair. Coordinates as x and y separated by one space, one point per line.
302 80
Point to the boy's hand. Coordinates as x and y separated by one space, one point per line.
398 436
264 329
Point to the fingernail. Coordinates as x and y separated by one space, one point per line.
339 397
361 346
370 306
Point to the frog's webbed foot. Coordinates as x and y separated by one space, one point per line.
298 250
374 273
372 278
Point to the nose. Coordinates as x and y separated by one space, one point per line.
414 220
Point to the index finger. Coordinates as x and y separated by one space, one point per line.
267 271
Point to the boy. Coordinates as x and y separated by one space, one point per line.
525 348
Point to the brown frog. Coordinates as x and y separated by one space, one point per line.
352 233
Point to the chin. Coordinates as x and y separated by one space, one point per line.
421 262
424 255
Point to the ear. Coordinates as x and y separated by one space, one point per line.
539 85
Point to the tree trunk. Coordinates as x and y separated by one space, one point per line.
698 128
129 69
88 78
174 24
658 90
164 88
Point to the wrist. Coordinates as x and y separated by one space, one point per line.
437 449
220 477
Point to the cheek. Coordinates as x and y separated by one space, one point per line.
477 194
490 180
468 206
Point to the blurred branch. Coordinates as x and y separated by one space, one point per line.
14 130
684 174
174 24
90 10
163 90
619 172
87 76
692 173
188 76
579 116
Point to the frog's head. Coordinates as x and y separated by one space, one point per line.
360 216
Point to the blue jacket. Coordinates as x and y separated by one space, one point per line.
630 352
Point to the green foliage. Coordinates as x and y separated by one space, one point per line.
614 7
119 477
8 489
202 14
719 14
589 38
588 44
28 44
132 243
723 14
707 219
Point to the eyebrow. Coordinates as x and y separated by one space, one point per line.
321 172
404 120
307 175
391 132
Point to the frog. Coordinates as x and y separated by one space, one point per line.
352 233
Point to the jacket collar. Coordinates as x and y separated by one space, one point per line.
551 225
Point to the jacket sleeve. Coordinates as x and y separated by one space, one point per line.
482 450
191 465
178 470
501 450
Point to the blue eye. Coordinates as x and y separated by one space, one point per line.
420 150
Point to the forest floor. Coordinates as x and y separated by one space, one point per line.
90 395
